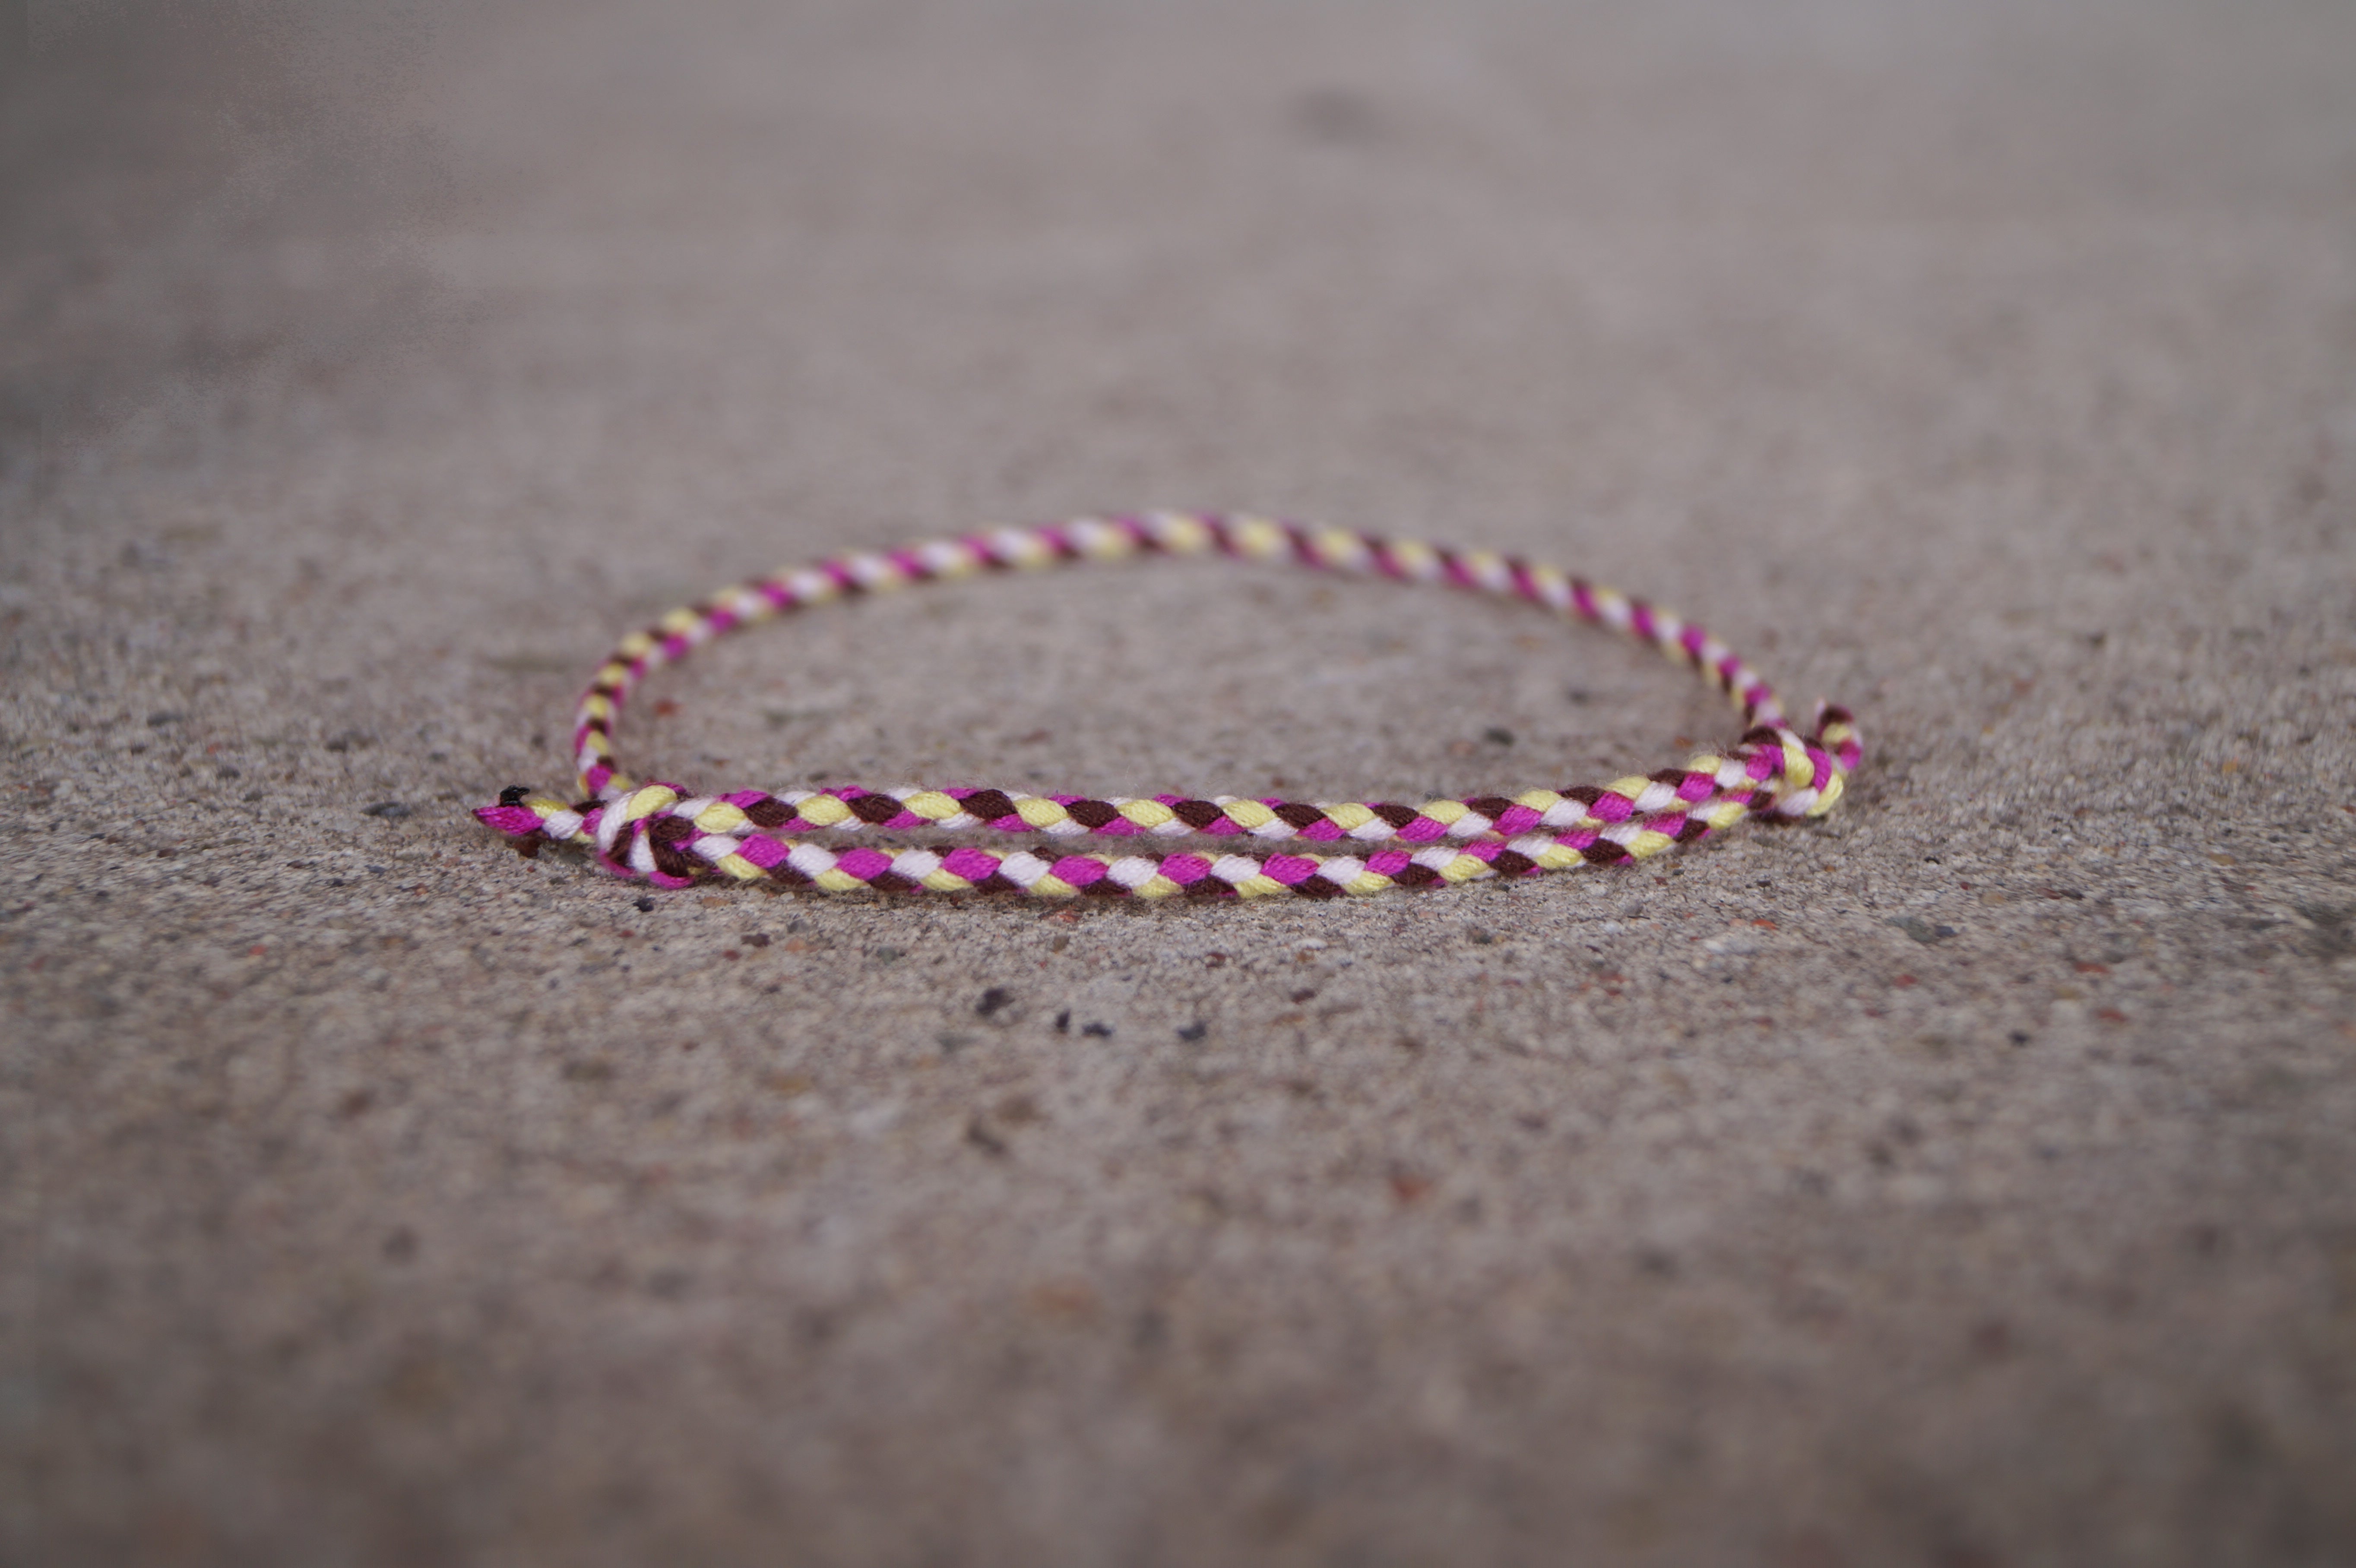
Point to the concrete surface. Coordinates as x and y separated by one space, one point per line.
1967 1181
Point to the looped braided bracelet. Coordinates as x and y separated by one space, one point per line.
672 838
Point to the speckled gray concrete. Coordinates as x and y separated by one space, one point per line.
1969 1181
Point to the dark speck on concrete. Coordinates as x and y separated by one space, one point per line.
1191 1032
391 810
1923 930
1101 1031
1337 116
992 999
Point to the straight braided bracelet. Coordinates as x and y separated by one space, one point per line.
672 838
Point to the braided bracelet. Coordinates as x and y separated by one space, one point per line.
672 838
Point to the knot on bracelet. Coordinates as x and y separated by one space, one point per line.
666 835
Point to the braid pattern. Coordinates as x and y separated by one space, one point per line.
671 838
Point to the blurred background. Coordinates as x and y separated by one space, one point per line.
1571 250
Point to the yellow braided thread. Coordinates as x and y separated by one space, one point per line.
932 805
720 817
648 801
1149 814
823 811
1182 535
1415 559
1039 812
1258 538
1247 815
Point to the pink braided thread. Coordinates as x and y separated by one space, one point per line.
671 838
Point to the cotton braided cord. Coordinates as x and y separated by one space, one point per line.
672 838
